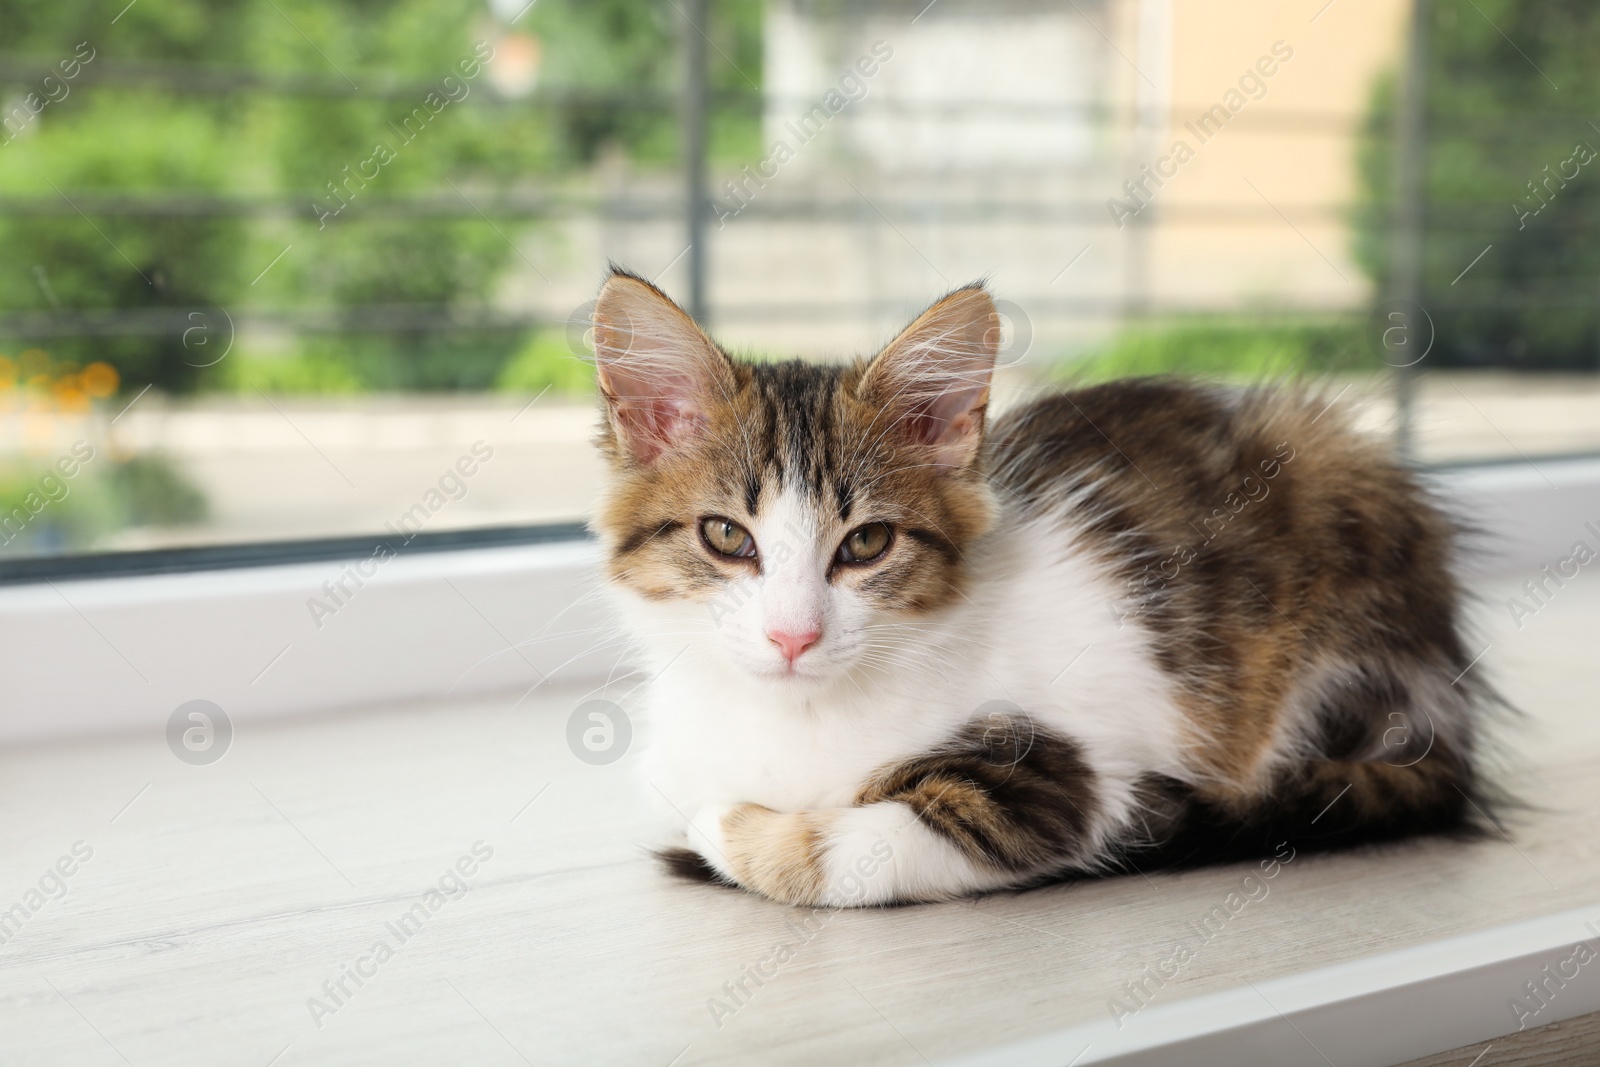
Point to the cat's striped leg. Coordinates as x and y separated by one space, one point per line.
999 805
834 857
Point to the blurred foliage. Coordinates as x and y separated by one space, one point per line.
103 496
453 360
1500 136
152 492
606 76
546 362
1229 347
301 371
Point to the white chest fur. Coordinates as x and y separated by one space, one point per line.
1037 632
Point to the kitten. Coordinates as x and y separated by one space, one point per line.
904 656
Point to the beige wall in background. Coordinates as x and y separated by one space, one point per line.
1302 168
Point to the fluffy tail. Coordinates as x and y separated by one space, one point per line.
1322 805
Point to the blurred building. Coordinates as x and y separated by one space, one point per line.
913 146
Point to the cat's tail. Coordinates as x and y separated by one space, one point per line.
1321 805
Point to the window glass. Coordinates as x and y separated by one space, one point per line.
283 269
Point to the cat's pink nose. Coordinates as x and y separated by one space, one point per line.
791 645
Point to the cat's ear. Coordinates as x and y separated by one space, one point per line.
934 378
659 374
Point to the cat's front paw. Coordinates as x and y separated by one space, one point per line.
777 854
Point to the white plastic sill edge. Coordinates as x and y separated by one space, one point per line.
120 654
1374 1012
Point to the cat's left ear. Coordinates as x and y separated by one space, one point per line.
934 378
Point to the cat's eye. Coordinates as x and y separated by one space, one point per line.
727 538
865 543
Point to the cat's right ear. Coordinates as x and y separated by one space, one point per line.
659 374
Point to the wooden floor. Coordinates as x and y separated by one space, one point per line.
1573 1041
217 901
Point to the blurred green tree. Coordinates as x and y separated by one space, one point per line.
1506 167
363 133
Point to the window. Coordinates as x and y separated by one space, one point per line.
290 271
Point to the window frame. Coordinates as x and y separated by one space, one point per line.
83 565
437 620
